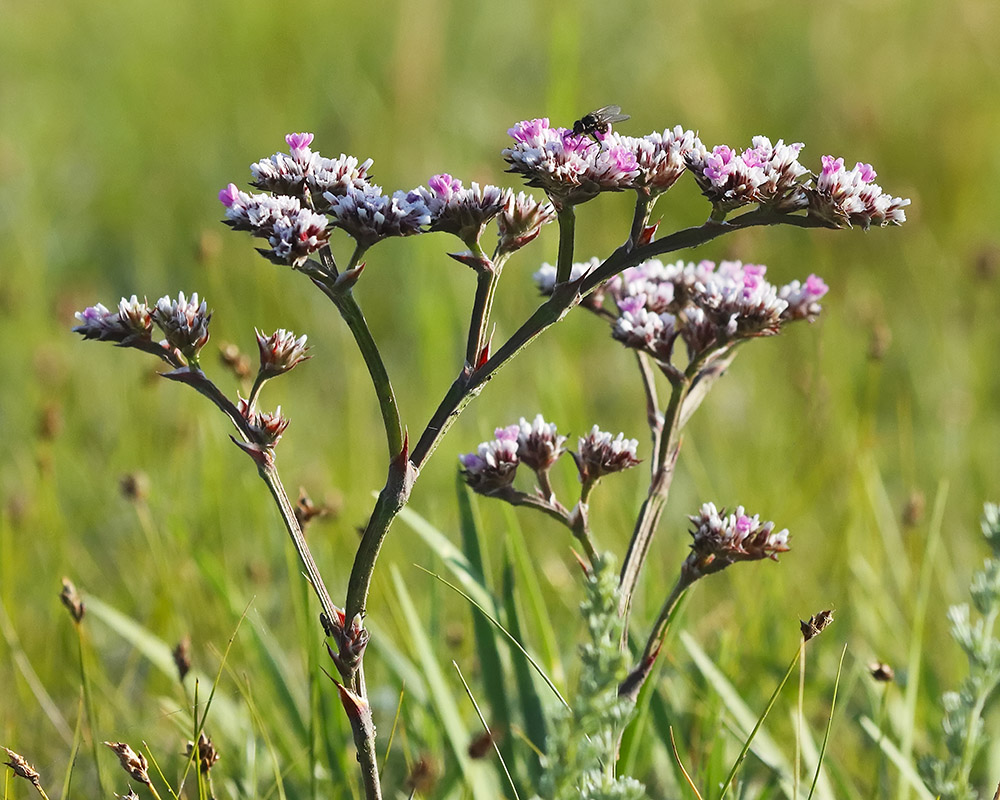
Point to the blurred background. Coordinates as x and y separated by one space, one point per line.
872 434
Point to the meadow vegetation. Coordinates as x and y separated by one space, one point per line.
871 434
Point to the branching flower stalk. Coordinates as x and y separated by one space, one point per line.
304 198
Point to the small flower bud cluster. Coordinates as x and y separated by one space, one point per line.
721 540
184 323
520 220
351 638
601 454
705 305
845 197
265 427
133 321
493 466
280 352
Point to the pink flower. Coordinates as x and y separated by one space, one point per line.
229 196
298 144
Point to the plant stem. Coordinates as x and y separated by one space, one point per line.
88 698
482 307
404 468
567 239
659 489
760 721
269 474
349 309
634 681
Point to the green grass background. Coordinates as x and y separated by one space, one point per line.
119 122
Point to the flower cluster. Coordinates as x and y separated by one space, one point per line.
293 231
133 321
539 445
460 211
266 427
369 216
280 351
720 540
520 220
305 188
601 454
765 173
771 176
184 324
570 168
661 158
707 306
545 276
844 197
493 466
299 169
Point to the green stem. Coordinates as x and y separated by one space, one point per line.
88 698
659 489
567 239
269 474
640 218
482 307
760 721
355 319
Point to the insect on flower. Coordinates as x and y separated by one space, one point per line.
598 122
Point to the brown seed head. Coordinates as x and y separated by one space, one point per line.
207 754
883 673
815 624
22 768
132 762
134 486
70 598
182 657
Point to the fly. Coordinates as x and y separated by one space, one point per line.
598 122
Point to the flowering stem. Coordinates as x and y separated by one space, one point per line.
334 286
269 474
258 384
567 238
404 471
349 309
394 495
667 442
691 237
640 218
633 682
653 416
482 307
